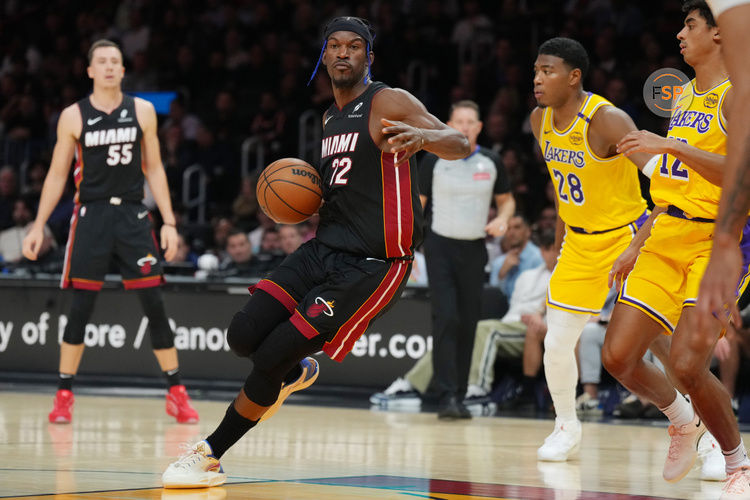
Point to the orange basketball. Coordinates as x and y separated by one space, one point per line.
289 190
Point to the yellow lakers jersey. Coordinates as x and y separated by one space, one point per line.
594 193
698 121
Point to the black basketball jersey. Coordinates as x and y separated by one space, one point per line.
108 155
371 205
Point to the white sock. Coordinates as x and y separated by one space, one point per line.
736 458
560 367
680 411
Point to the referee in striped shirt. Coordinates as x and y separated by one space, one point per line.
457 195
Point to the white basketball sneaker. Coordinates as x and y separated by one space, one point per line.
197 468
683 449
713 467
562 443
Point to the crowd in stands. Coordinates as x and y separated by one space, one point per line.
239 69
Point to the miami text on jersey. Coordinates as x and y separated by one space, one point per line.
110 136
339 144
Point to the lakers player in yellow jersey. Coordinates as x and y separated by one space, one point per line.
658 294
599 209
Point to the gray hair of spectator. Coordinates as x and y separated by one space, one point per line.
570 51
466 103
703 9
102 43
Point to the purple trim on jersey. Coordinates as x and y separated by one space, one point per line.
745 251
646 309
640 221
581 115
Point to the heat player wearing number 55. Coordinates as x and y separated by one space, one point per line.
599 210
113 138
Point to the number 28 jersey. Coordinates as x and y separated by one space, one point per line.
372 205
108 154
594 193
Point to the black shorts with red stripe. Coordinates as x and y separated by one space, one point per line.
106 230
335 294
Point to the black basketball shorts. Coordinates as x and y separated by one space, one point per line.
334 293
104 230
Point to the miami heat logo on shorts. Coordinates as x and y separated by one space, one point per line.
145 263
321 306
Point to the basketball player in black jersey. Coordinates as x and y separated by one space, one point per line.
113 137
325 295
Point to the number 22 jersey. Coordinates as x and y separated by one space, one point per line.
372 205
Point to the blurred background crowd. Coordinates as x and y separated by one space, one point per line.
234 74
232 77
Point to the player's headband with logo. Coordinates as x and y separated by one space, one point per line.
347 23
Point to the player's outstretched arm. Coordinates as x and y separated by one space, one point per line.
68 129
400 123
153 169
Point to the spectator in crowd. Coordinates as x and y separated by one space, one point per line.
264 224
271 243
290 237
240 260
11 239
519 254
140 77
184 252
222 227
8 195
179 115
269 123
245 205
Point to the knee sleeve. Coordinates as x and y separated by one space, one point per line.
282 349
162 336
254 322
80 313
563 330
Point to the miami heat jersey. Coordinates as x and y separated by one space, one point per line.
372 205
108 154
697 120
594 193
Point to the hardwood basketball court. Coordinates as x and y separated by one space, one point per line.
117 447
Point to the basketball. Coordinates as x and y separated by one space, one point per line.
289 190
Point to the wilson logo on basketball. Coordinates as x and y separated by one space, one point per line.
306 173
320 306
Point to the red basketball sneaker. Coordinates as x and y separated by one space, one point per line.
178 405
63 407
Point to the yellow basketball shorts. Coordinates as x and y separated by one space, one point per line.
668 272
579 281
